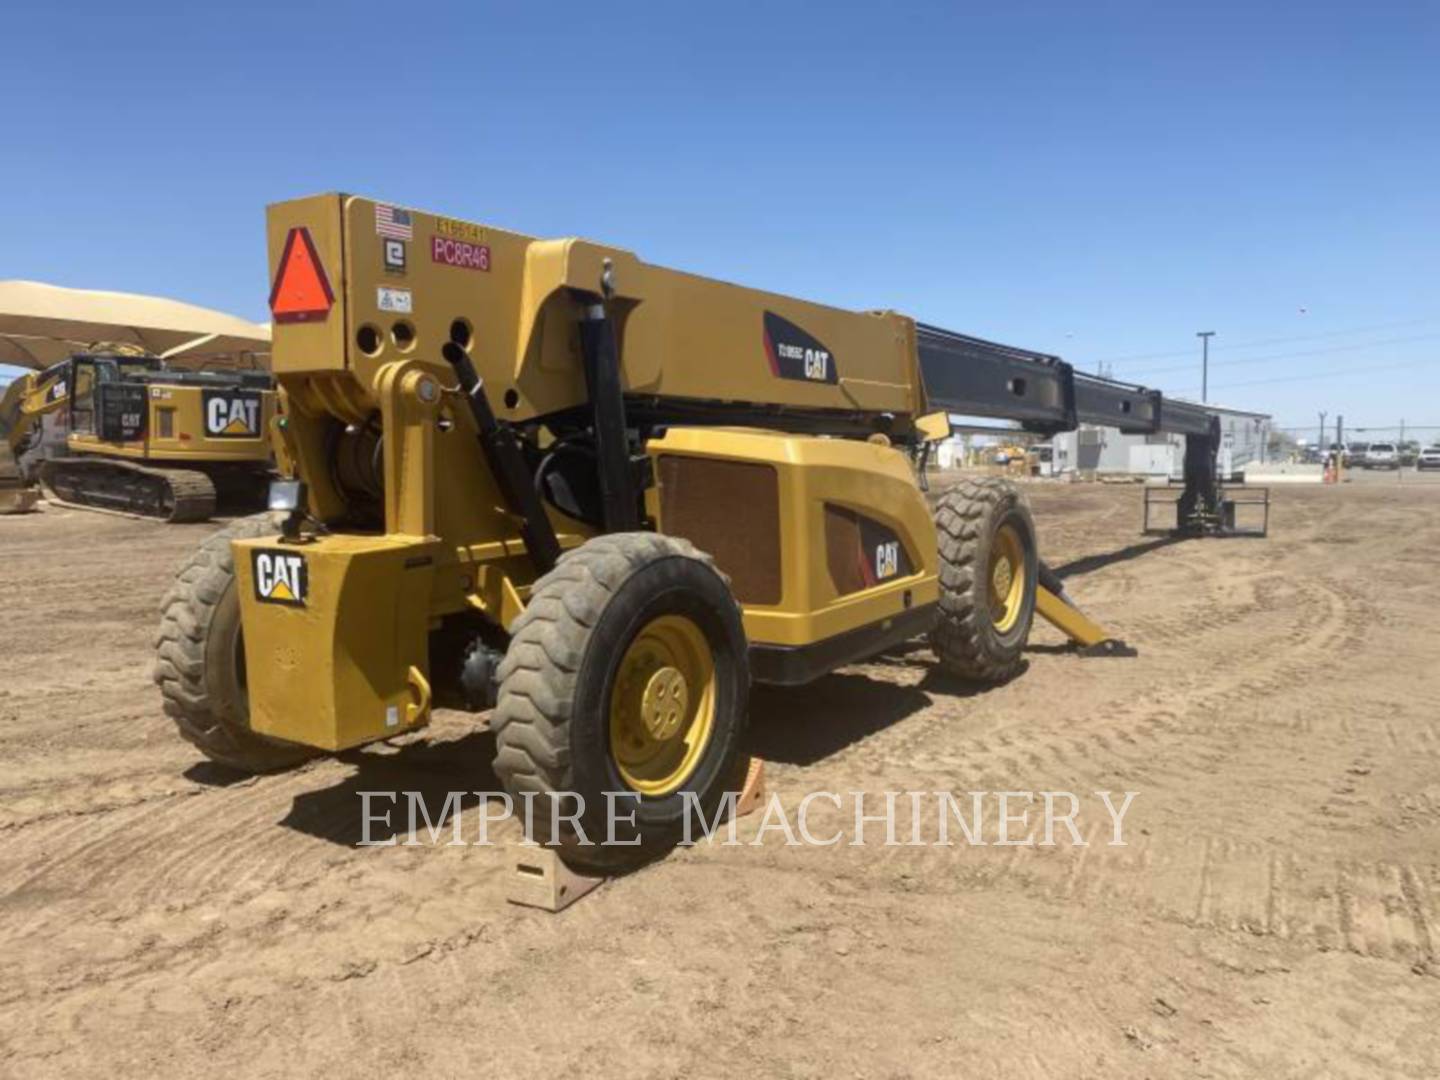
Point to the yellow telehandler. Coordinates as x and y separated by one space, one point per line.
602 498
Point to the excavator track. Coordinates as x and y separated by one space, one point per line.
174 495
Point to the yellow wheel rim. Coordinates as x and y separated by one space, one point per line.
662 707
1007 578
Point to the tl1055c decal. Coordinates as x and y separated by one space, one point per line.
232 414
794 354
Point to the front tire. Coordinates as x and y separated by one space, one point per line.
627 673
200 658
989 570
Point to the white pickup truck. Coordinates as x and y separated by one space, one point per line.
1382 455
1429 458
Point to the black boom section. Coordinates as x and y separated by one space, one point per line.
974 377
1117 405
1184 418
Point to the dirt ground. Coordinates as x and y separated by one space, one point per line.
1275 913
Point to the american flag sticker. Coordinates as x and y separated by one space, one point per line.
393 222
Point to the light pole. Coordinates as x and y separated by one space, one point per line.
1205 336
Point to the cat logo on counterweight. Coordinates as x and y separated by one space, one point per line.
232 414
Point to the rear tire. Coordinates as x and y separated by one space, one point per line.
200 658
623 622
985 611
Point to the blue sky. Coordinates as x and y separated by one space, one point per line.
1100 180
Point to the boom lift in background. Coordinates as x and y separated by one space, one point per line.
602 497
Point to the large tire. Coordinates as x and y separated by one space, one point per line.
980 634
200 658
578 683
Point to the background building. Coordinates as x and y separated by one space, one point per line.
1244 436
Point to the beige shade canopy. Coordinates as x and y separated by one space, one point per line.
40 324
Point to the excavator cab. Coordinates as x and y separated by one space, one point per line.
104 390
98 388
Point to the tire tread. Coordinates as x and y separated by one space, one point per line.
539 673
186 614
959 637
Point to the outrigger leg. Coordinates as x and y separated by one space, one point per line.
1055 607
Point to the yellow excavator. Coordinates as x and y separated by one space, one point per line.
167 416
115 430
601 498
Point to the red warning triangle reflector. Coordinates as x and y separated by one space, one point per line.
301 292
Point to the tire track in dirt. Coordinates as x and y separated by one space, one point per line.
1379 909
1300 626
1128 717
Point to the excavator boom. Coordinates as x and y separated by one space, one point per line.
23 403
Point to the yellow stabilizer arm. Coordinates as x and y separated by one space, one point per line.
1056 608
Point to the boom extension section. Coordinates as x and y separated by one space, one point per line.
973 377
